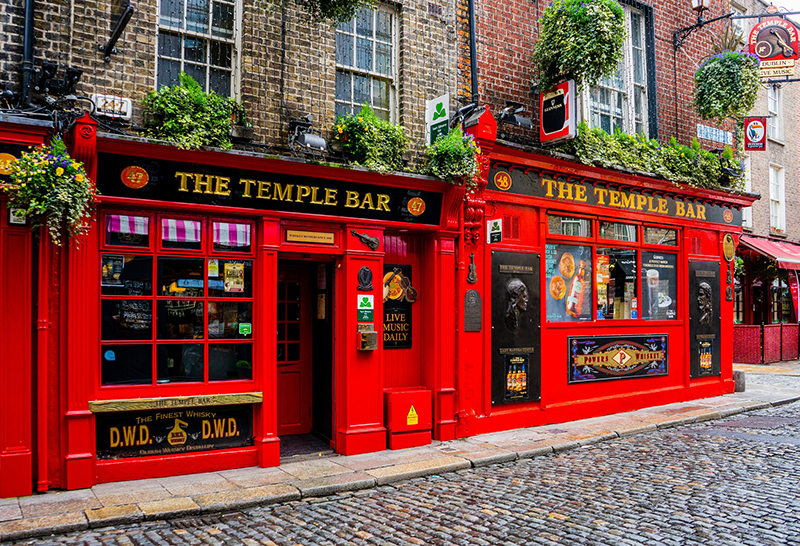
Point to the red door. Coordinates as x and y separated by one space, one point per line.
294 350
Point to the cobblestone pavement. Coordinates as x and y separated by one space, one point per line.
728 482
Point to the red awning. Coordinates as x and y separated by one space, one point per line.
786 254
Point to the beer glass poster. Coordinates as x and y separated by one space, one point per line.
568 273
659 286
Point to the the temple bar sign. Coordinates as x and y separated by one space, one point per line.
516 181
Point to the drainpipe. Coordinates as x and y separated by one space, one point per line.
473 52
27 55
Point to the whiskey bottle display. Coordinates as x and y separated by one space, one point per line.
523 378
575 298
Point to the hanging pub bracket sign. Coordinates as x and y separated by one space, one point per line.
121 13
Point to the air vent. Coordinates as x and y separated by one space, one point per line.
511 227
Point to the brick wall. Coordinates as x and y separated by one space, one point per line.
287 64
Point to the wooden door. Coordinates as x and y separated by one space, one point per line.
294 350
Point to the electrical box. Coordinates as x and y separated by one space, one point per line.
408 417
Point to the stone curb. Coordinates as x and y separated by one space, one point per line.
25 528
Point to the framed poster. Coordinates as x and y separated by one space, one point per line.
704 319
568 278
599 358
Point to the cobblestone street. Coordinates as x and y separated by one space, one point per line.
727 482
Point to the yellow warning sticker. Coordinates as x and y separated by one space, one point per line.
412 418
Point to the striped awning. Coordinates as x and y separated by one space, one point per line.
229 234
180 231
118 223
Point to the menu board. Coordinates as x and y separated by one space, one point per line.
659 286
568 278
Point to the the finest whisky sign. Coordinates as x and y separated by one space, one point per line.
598 358
143 178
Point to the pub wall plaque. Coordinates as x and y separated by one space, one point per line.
473 306
704 318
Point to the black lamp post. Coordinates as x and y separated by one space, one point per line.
700 6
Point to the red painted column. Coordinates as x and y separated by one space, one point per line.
266 417
80 324
358 389
16 457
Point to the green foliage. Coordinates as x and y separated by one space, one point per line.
188 116
581 39
370 141
675 162
452 158
51 189
726 85
728 40
738 267
327 11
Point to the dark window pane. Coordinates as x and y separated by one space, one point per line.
230 361
220 83
343 109
126 275
168 74
180 362
292 291
364 54
221 54
293 353
172 13
126 319
197 72
293 311
344 49
383 62
197 15
383 29
230 319
222 20
293 331
361 89
126 364
364 22
169 45
281 311
180 319
281 331
281 353
234 279
344 86
180 277
194 49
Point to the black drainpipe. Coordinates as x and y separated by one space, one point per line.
27 55
473 52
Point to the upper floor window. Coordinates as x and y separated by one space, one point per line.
777 204
198 37
365 63
622 99
774 107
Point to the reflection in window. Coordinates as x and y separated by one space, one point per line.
230 319
180 362
616 284
230 361
180 277
126 364
659 286
126 275
660 236
126 319
567 225
180 319
618 232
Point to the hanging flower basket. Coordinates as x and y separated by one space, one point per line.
579 39
453 158
370 141
51 189
726 85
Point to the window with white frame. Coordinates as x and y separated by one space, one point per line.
747 212
777 202
774 108
198 37
621 100
739 26
366 49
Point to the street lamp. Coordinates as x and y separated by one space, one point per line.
680 35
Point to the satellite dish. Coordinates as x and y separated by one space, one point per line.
121 13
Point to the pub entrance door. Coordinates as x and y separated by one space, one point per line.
305 348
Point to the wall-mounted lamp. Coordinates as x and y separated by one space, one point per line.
304 140
511 115
49 84
700 6
461 114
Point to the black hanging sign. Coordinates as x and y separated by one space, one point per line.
398 296
598 358
168 432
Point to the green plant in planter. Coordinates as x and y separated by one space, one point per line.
188 116
580 39
726 85
51 189
327 11
370 141
453 158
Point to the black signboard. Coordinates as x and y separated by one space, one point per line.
526 182
141 178
568 279
516 334
398 297
598 358
170 432
473 311
704 319
659 286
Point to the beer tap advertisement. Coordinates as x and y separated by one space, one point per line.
568 270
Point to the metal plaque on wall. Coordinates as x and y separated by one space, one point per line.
473 306
173 431
704 318
516 334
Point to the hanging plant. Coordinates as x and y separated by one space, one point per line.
453 158
327 11
51 189
188 116
580 39
370 141
726 85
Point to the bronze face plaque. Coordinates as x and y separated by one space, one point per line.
728 247
472 311
704 318
516 336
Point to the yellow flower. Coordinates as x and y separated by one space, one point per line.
79 177
360 119
340 128
59 171
75 165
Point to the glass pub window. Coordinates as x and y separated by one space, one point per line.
569 225
660 236
197 37
365 67
175 319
